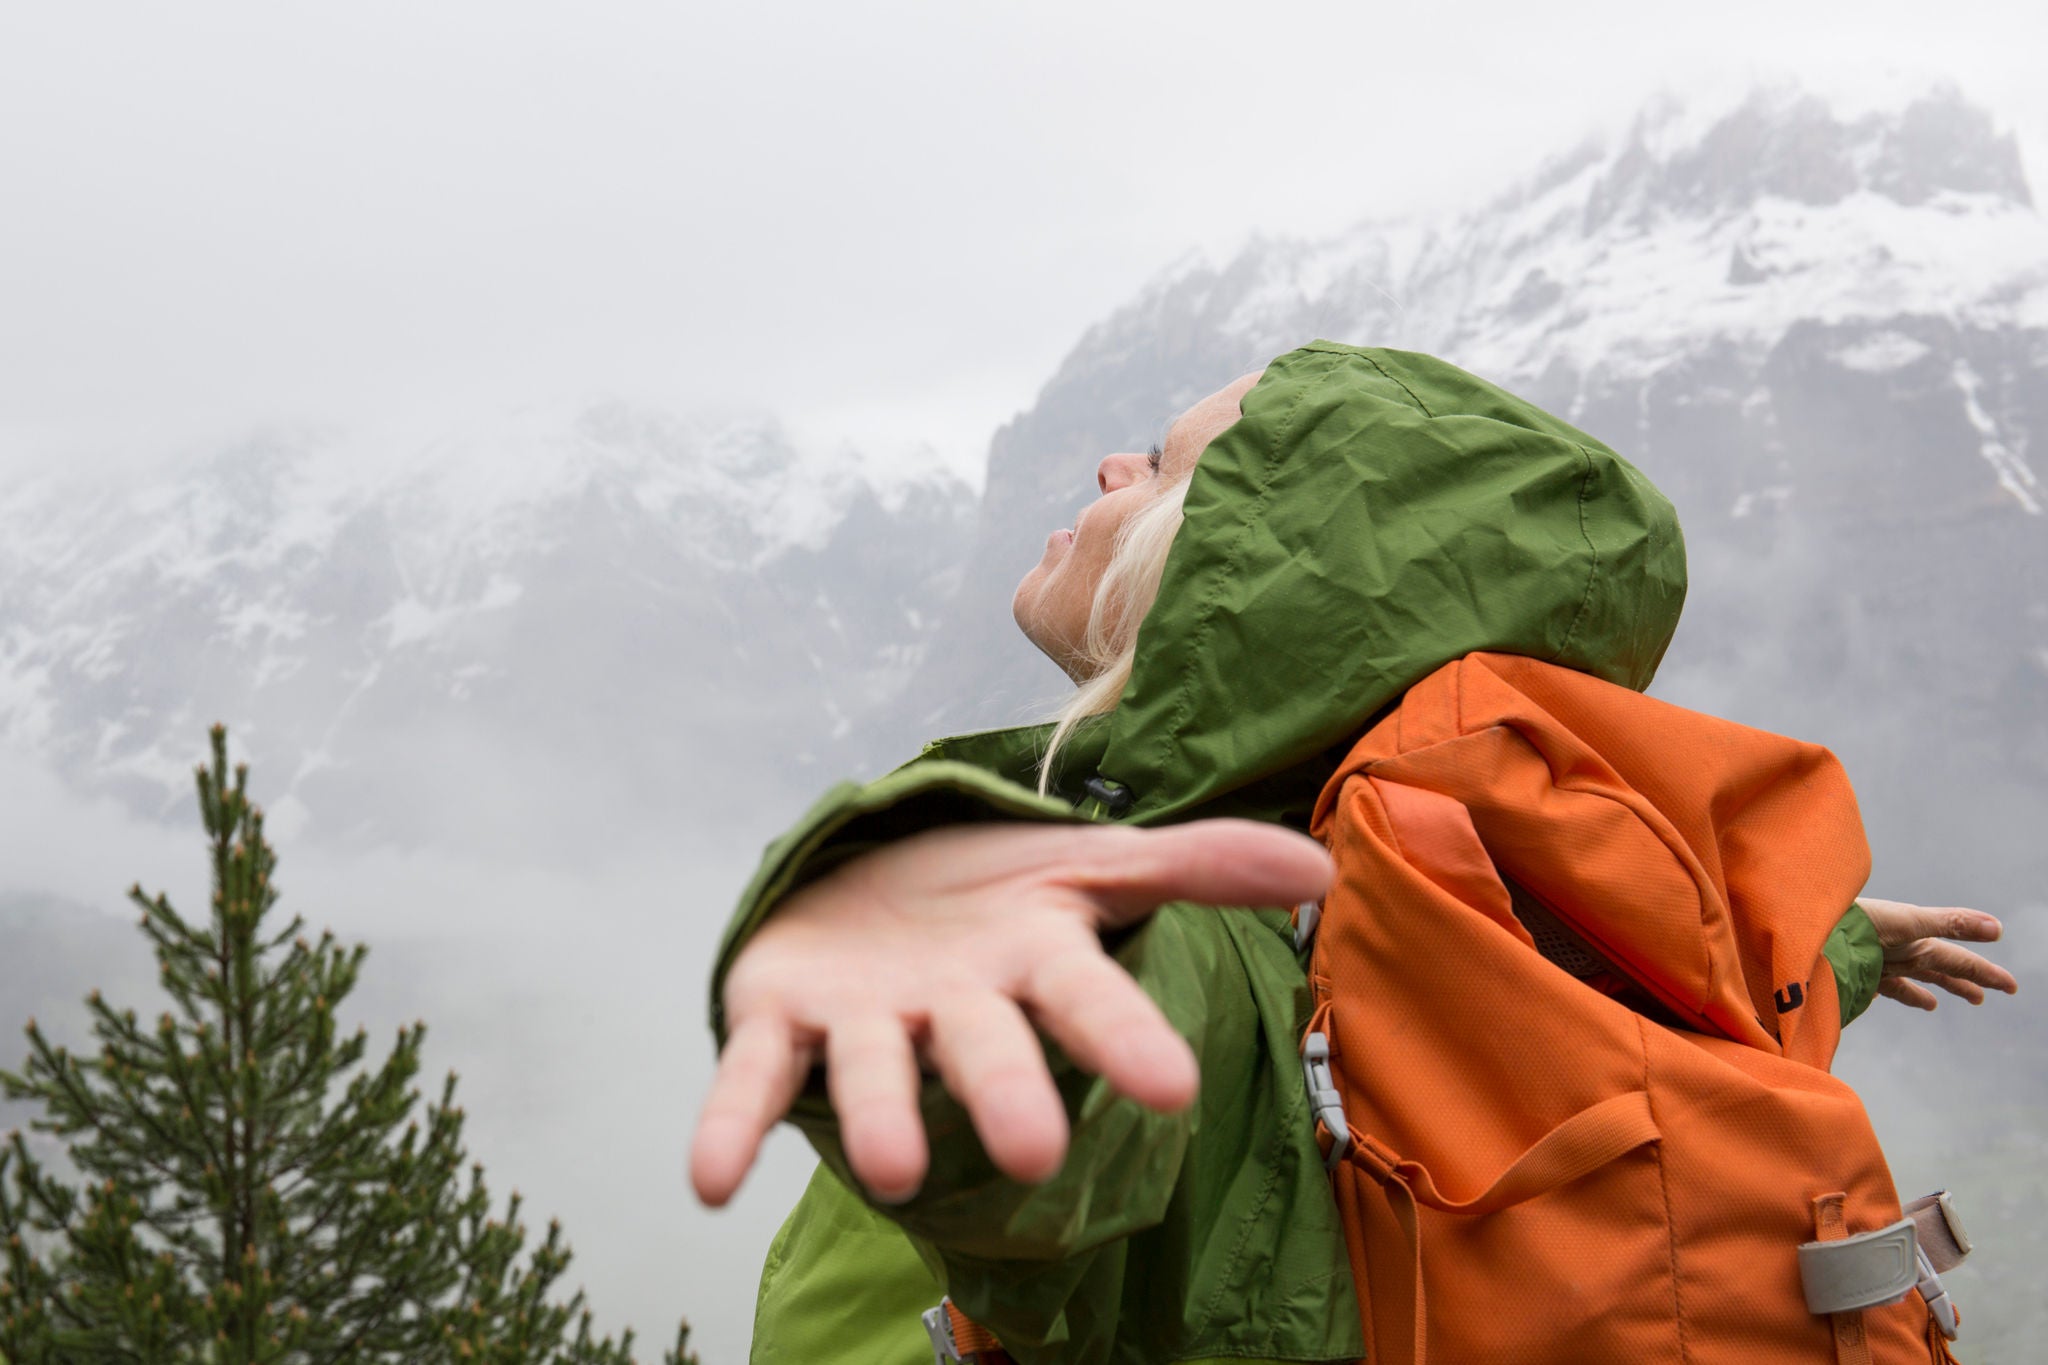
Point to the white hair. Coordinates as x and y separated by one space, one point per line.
1130 583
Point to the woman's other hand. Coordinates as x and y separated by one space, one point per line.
1917 948
948 948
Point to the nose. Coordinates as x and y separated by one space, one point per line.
1121 470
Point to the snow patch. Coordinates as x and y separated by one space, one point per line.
412 621
25 702
1768 499
275 668
2014 474
271 618
459 681
1882 353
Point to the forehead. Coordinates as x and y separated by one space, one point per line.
1192 431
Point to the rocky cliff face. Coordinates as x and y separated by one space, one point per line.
533 630
1824 334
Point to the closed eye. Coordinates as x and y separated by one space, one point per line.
1152 457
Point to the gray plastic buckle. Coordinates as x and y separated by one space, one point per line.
1953 1220
1324 1101
1939 1305
1306 917
1861 1271
938 1325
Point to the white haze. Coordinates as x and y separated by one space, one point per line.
567 991
883 224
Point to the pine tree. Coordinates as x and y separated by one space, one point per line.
250 1189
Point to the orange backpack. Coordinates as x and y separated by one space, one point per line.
1572 1034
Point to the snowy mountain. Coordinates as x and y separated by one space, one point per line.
1820 328
404 631
1822 331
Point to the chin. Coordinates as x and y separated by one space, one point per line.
1027 608
1041 621
1021 603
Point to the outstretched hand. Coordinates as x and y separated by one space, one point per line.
1917 948
947 949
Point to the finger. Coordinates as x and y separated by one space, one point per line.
993 1063
1937 961
871 1077
1900 922
1216 862
1955 985
1968 989
1108 1025
1906 993
758 1075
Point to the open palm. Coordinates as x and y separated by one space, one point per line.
949 949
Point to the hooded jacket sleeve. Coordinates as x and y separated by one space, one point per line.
1203 1209
852 818
1857 958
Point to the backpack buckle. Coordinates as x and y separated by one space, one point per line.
1853 1273
1940 1306
1326 1105
1941 1244
938 1325
957 1338
1306 917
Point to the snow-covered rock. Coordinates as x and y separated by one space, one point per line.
643 599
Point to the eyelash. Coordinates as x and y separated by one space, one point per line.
1152 457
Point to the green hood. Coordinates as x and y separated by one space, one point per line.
1374 515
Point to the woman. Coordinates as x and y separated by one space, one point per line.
1339 526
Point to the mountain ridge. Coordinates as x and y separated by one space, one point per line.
300 585
1585 290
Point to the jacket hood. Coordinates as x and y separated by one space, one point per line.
1373 515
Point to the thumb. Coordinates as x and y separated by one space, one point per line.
1130 872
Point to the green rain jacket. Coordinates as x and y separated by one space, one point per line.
1373 515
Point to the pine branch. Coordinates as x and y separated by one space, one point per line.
256 1190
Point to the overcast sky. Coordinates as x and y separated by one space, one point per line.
883 222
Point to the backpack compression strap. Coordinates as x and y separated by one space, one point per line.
1842 1275
1574 1149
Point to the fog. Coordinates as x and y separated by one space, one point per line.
885 227
568 993
885 223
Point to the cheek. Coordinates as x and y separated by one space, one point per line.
1070 588
1054 599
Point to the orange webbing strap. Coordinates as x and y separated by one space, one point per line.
1574 1149
1937 1345
1851 1346
973 1341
